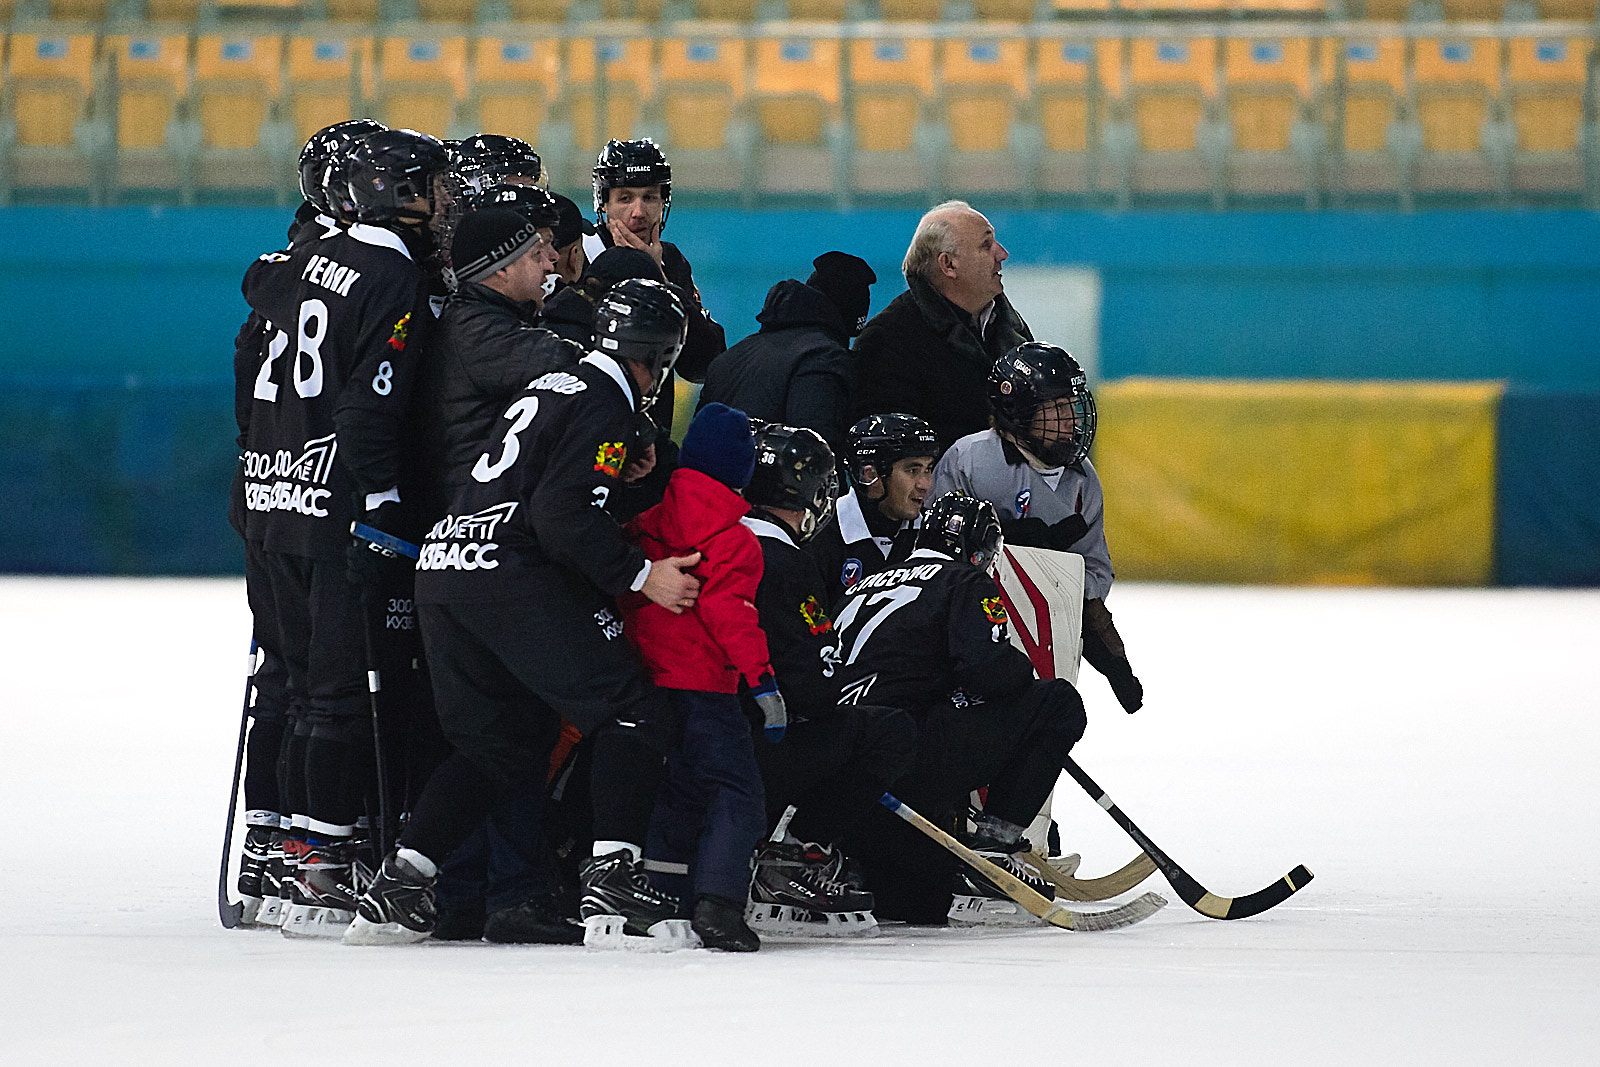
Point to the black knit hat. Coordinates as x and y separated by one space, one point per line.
573 226
846 280
621 263
486 241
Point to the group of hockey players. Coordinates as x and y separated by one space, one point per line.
525 670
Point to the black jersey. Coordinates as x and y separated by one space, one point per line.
925 631
860 541
341 313
791 602
537 494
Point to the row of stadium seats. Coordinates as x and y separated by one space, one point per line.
556 11
825 114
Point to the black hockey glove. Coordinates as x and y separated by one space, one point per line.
1066 533
1026 533
1103 648
367 562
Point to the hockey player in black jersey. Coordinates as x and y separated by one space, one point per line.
516 591
836 759
326 447
931 635
890 460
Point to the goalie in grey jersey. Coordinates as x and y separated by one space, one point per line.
1033 466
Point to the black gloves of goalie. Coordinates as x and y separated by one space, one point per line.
1033 532
365 561
1102 647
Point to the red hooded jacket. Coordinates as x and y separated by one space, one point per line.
714 644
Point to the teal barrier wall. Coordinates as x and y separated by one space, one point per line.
115 435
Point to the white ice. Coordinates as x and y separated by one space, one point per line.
1430 755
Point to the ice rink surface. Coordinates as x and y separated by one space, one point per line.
1430 755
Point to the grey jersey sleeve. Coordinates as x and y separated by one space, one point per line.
950 475
1097 573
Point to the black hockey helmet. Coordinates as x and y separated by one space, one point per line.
1026 380
878 441
643 321
536 205
389 167
629 165
489 158
795 470
326 147
964 527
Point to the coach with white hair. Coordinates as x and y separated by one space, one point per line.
929 352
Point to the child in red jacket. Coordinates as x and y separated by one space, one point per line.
711 809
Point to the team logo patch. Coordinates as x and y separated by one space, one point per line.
994 610
397 339
850 573
1024 498
816 616
610 457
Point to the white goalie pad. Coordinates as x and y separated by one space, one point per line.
1043 594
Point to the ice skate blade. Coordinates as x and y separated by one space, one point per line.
311 920
608 933
989 911
251 916
362 932
785 920
271 913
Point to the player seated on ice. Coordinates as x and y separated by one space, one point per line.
890 460
1034 467
931 636
835 760
709 814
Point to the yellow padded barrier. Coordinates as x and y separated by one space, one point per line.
1344 483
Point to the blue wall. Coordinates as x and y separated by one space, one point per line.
115 357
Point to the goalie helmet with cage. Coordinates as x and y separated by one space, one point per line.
964 527
490 158
1040 398
632 165
326 148
880 441
389 169
794 470
643 321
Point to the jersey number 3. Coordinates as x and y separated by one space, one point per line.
521 415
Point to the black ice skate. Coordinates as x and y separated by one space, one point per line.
325 894
396 909
253 860
720 925
538 920
979 901
797 889
272 877
622 909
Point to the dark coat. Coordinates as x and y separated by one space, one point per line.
797 369
921 355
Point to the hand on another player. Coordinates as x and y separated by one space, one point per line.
640 464
671 584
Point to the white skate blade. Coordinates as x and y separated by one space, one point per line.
785 920
988 911
271 913
311 920
362 932
251 916
608 933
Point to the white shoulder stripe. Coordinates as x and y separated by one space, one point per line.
378 236
613 370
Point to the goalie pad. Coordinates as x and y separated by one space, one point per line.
1043 593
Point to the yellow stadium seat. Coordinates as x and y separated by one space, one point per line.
1184 7
421 79
795 91
985 83
78 10
1375 97
1270 87
1081 7
447 10
726 10
817 10
911 10
1003 10
702 82
540 10
1545 79
1172 89
628 66
172 10
1282 8
1075 82
1456 83
517 82
1387 10
152 75
329 79
1566 10
365 11
237 80
892 79
49 78
1474 10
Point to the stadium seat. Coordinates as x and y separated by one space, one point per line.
1077 83
1545 80
911 10
447 10
795 92
1070 8
985 83
1473 10
540 10
152 82
702 85
1286 9
1173 89
892 81
726 10
817 10
48 85
1176 7
1566 10
78 10
1372 73
1457 83
1003 10
619 69
330 78
420 81
1386 10
172 10
361 11
237 80
518 80
1270 90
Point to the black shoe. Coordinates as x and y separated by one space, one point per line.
970 883
253 864
463 922
804 876
616 884
536 921
721 925
396 909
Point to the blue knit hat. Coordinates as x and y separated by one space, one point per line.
719 444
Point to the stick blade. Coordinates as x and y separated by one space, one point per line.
1135 911
1216 907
